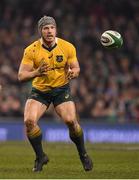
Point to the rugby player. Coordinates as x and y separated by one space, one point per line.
51 62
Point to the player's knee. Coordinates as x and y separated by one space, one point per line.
29 123
69 120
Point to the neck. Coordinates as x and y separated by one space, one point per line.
48 44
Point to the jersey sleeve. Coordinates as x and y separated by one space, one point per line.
72 55
28 57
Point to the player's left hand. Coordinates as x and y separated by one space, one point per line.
72 73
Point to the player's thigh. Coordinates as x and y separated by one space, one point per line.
33 110
66 111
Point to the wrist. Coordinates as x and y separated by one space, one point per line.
35 73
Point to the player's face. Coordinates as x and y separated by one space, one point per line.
49 33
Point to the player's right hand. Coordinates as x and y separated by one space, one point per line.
42 69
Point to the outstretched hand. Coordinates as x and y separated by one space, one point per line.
42 69
72 73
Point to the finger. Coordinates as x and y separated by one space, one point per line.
42 61
44 67
69 71
70 74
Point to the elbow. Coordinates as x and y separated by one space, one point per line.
20 77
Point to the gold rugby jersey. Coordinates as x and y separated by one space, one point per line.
58 58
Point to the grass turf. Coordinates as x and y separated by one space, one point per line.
111 161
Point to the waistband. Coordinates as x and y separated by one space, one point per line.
51 88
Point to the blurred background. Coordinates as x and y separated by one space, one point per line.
107 91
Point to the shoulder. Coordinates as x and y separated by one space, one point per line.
33 46
65 43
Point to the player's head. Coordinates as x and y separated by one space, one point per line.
47 28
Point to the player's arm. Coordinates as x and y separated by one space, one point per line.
74 70
73 64
26 71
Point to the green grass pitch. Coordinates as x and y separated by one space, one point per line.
115 161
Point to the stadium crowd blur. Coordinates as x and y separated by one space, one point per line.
108 86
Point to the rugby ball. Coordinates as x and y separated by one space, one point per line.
111 39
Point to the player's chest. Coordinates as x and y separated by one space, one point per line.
54 57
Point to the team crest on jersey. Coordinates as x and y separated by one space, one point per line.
59 58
